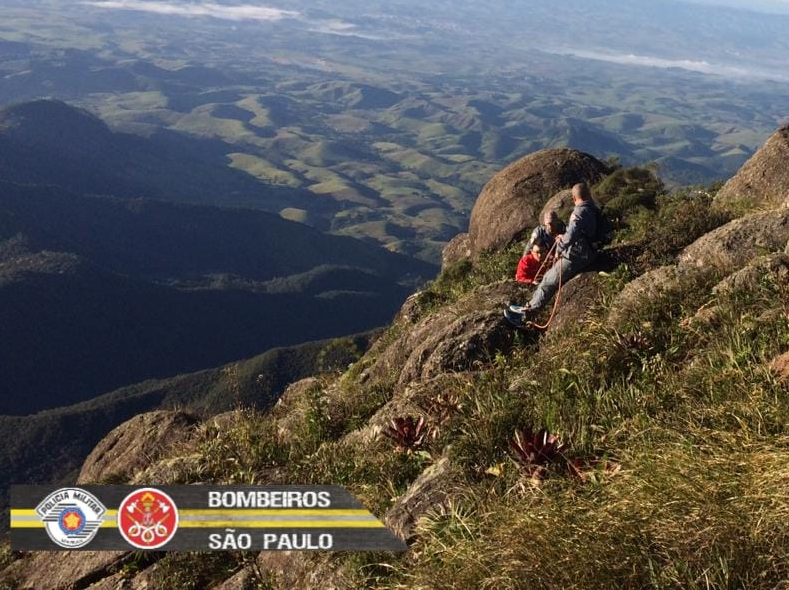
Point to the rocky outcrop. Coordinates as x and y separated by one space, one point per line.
429 493
62 570
577 297
732 246
134 445
243 580
450 339
763 181
291 399
458 248
650 286
303 571
510 203
774 267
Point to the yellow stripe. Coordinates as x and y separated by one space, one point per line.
238 512
281 524
220 512
32 512
266 524
37 524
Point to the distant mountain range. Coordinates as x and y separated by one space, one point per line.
97 292
51 142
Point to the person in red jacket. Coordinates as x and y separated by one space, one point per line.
529 267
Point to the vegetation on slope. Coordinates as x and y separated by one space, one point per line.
665 467
672 469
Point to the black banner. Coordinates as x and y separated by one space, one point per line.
194 518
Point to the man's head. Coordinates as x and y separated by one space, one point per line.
552 222
581 193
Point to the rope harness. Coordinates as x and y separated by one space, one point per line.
535 326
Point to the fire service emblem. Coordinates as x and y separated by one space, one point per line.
147 518
71 516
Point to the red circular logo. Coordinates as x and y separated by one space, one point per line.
147 518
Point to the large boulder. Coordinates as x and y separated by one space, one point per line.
732 246
134 445
763 181
510 203
302 570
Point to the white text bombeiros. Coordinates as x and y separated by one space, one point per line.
266 499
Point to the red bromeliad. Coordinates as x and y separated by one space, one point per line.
408 432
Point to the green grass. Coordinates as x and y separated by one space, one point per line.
678 431
682 439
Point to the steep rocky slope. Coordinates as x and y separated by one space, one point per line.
763 181
662 381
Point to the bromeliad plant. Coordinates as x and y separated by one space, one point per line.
408 433
535 451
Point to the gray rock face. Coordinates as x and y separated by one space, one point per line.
451 339
291 399
294 570
648 286
135 444
576 298
428 493
732 246
763 181
458 248
62 570
772 266
510 203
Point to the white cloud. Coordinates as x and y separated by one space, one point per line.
703 67
236 13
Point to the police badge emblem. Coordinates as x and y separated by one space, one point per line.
71 517
147 518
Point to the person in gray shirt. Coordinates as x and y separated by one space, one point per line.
546 233
574 251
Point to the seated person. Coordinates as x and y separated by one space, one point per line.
530 268
576 252
546 233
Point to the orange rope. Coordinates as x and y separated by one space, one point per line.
545 259
534 326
